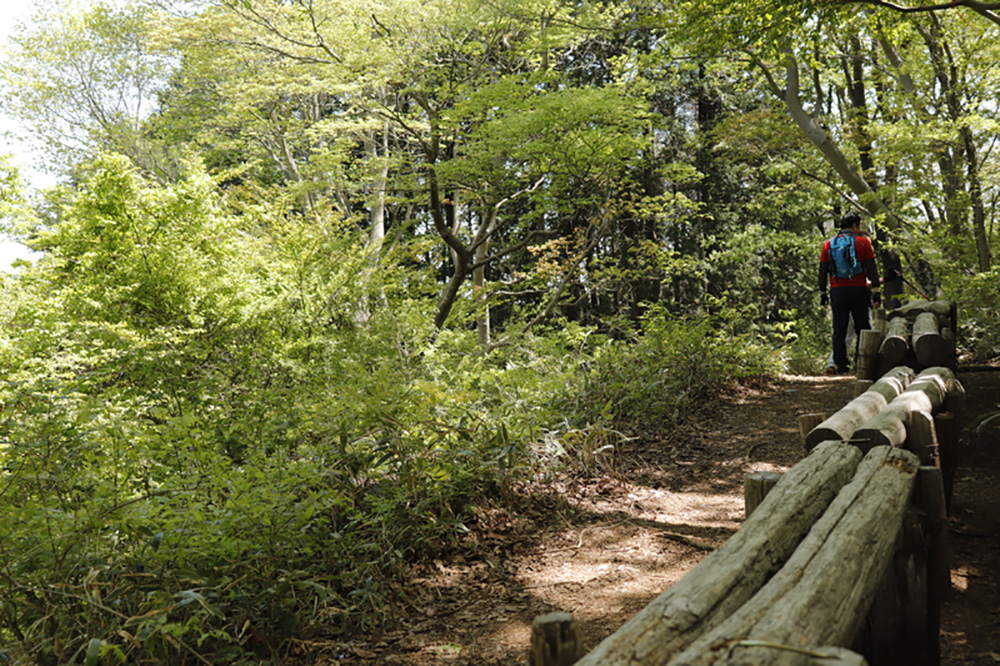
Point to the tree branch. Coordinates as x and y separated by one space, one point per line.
528 239
486 230
984 9
571 271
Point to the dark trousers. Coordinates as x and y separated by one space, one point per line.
846 302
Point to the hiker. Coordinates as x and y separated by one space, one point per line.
847 265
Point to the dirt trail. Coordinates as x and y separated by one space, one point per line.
604 545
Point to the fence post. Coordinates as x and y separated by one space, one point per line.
868 345
809 421
756 486
931 499
555 640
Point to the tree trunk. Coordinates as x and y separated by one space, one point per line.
732 574
969 191
891 289
479 287
380 173
819 137
976 196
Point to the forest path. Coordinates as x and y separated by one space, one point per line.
603 545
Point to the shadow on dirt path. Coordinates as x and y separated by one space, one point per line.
604 543
971 617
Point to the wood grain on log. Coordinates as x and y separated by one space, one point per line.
947 428
930 498
822 593
896 342
809 421
919 306
949 339
733 573
842 424
896 630
868 346
921 438
888 427
837 656
881 322
930 347
955 399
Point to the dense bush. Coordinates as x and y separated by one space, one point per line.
672 362
979 312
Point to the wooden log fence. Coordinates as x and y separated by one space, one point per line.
920 334
734 572
812 600
841 560
843 424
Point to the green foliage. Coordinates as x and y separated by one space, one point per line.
216 417
82 81
13 206
978 295
226 417
671 363
187 429
222 430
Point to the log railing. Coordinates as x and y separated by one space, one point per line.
843 561
920 334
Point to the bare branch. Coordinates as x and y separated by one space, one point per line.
255 17
984 9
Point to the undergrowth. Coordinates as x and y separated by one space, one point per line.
133 533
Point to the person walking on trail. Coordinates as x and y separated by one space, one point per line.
847 266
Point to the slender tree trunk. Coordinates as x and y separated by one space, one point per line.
376 234
976 197
970 183
819 137
479 286
854 75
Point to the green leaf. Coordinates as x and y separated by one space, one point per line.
93 652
